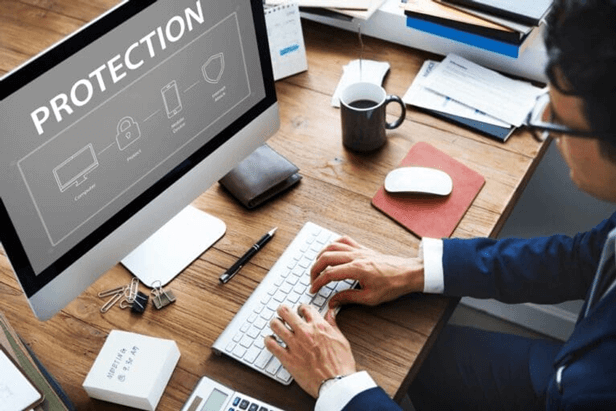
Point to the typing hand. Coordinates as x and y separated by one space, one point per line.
381 277
315 349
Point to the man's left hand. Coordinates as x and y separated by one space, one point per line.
315 348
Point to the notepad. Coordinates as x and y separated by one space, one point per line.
432 216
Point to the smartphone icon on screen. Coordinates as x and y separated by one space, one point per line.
171 97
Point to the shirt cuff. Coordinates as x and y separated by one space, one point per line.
337 395
434 282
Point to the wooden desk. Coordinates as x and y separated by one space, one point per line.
390 341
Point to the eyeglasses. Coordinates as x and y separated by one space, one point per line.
542 128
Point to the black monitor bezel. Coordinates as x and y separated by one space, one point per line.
31 282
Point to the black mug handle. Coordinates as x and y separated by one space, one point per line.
396 99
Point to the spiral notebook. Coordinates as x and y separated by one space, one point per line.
432 216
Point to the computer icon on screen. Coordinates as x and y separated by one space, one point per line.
75 169
111 134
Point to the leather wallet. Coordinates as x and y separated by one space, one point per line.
260 176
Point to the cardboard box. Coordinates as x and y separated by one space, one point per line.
132 370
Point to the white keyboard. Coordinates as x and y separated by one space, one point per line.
287 282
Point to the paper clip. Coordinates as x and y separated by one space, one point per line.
132 290
107 306
112 291
161 298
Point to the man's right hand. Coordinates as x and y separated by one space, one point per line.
381 277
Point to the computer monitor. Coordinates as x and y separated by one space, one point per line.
111 133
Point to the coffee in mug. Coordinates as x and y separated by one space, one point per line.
362 114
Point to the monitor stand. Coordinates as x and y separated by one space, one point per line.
168 251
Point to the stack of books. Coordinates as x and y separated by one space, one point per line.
500 26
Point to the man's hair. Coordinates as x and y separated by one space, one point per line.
581 42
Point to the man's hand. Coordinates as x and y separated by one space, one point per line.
315 347
381 277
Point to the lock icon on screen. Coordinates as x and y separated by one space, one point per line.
128 132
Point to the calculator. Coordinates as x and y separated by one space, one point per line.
210 395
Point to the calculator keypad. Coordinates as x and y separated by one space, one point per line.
244 404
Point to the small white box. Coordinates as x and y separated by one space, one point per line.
132 370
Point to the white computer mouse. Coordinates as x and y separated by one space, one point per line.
420 180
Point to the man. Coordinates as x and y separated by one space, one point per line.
474 369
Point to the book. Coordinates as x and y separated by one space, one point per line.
523 11
55 398
501 21
444 14
432 216
506 48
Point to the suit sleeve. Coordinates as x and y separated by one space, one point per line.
544 270
374 399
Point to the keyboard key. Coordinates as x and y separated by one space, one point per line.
283 375
273 366
239 351
244 404
263 359
293 298
246 341
253 407
254 332
260 323
252 354
280 296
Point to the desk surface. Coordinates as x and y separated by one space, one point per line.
389 341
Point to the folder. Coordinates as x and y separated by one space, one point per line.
55 398
426 215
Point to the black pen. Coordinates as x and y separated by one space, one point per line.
247 256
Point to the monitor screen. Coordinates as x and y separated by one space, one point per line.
100 131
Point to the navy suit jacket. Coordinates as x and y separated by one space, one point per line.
545 270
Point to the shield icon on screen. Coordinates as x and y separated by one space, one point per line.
213 68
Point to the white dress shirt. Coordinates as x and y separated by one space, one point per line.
334 396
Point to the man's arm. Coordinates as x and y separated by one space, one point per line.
543 270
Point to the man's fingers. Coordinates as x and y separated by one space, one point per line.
308 312
276 349
351 296
329 258
280 329
289 316
331 273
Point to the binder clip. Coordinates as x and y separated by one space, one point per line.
138 304
160 297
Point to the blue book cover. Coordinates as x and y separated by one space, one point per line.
471 39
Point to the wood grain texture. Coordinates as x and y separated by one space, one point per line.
390 341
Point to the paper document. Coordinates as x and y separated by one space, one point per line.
484 89
420 96
369 71
342 4
286 40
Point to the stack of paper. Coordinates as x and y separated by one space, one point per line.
458 87
361 9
